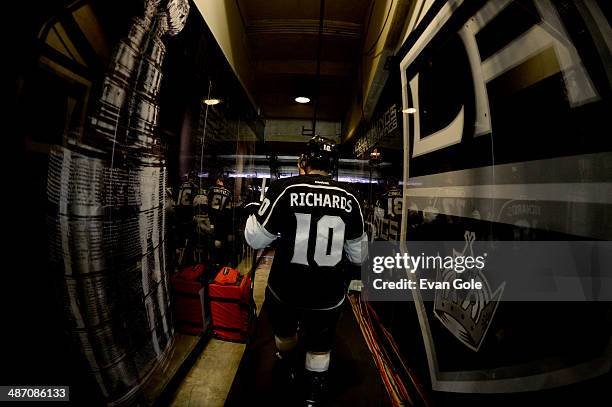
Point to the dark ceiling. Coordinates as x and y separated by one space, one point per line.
283 39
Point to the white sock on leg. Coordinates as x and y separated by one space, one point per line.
317 361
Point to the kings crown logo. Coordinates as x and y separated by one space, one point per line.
467 314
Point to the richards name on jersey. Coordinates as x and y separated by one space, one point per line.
320 199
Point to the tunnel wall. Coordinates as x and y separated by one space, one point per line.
506 144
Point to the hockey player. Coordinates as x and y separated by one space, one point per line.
316 221
220 204
184 211
388 211
187 191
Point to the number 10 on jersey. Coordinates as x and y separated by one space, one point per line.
328 241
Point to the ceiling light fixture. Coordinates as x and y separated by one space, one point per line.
212 102
302 99
409 110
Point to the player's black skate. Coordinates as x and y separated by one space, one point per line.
285 367
315 388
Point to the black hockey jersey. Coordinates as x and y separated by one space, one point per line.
316 220
187 192
387 215
220 200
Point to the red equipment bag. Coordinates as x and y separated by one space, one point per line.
231 308
227 275
191 273
188 295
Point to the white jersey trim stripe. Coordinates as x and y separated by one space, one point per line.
311 186
256 235
357 249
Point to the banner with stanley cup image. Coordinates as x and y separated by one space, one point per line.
106 215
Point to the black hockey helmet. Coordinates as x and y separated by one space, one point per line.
320 153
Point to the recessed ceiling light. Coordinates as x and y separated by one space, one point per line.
211 102
409 110
302 99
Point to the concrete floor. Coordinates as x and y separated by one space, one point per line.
210 379
163 373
